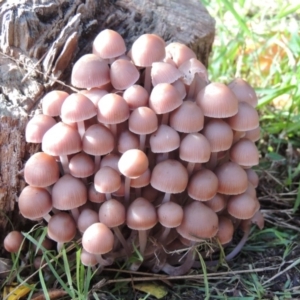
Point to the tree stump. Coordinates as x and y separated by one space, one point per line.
40 41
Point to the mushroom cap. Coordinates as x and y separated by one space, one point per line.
243 91
88 259
203 185
86 218
179 53
59 221
52 102
164 98
232 179
195 148
112 109
219 134
192 67
94 94
143 120
162 72
123 74
217 203
242 206
217 101
90 71
13 241
252 177
107 180
199 222
112 213
41 170
187 118
95 196
246 118
136 96
244 153
169 176
97 140
164 139
81 165
141 181
109 44
133 163
253 134
98 239
34 202
61 139
76 108
68 193
226 230
170 214
36 128
141 215
147 49
127 140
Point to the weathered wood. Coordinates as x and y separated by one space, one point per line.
40 40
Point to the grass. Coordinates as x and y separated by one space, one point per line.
260 42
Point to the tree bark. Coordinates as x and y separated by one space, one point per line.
41 39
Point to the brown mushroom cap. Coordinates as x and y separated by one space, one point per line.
162 72
76 108
59 221
199 222
170 214
61 139
41 170
86 218
217 101
98 239
217 203
107 180
34 202
112 213
90 71
68 193
147 49
179 53
52 102
133 163
141 215
169 176
226 230
37 127
109 44
219 134
244 153
203 185
81 165
242 206
243 91
187 118
13 241
232 179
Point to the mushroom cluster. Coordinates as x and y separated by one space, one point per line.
147 155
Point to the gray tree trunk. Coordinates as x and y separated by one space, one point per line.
41 39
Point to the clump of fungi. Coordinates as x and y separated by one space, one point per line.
148 153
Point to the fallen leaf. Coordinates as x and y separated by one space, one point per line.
17 291
53 294
153 289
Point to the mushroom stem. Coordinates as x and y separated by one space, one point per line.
142 241
191 93
81 128
127 191
113 129
103 262
184 268
212 163
142 141
165 119
97 163
108 196
147 80
47 217
75 214
190 168
120 237
65 163
164 234
166 197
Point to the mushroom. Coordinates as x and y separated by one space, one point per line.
13 242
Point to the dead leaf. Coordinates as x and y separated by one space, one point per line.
153 289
